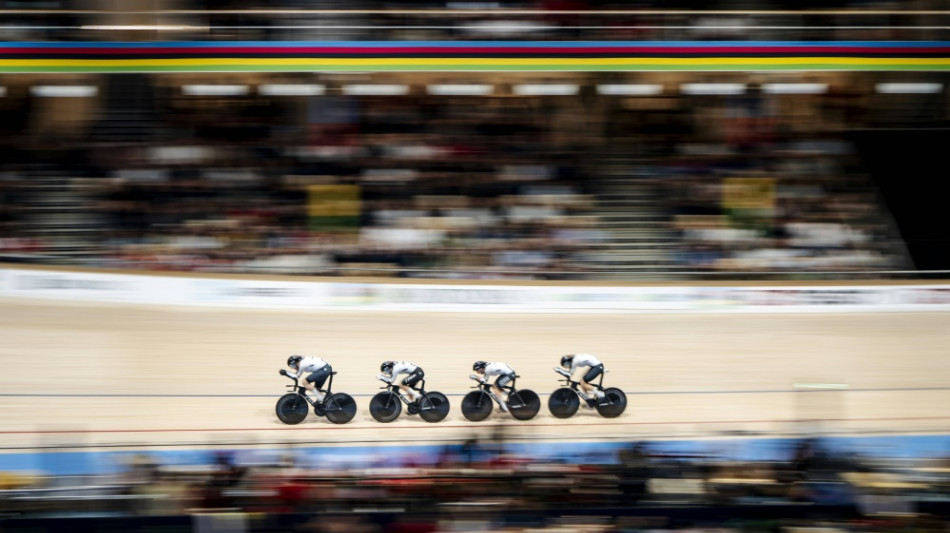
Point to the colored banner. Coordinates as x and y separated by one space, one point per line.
748 193
289 56
333 206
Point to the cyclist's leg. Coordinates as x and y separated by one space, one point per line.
400 383
590 376
502 385
316 380
410 384
498 389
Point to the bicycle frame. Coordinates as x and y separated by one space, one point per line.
574 385
301 390
394 388
486 387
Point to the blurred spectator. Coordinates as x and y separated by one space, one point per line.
478 187
590 20
504 489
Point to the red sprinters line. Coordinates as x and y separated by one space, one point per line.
474 424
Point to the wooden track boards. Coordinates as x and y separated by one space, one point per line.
108 375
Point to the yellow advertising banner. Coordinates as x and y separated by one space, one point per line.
333 205
748 193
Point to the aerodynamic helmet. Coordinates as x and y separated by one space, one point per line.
566 360
293 361
386 367
479 366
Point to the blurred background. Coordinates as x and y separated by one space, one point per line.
478 175
636 175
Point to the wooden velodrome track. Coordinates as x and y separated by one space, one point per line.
104 375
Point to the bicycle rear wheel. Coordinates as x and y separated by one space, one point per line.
524 404
433 407
563 403
613 403
385 407
292 408
476 406
341 408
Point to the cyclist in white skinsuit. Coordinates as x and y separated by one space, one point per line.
317 371
505 373
572 362
391 370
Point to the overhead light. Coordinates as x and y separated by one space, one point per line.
472 5
713 88
459 89
506 27
909 88
550 89
64 91
290 89
630 89
146 27
795 88
214 90
375 90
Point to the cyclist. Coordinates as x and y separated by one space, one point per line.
317 371
391 370
571 362
484 370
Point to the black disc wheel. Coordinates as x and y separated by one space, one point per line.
385 407
476 406
563 403
341 408
433 407
292 408
524 404
613 403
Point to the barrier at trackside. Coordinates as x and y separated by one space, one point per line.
263 293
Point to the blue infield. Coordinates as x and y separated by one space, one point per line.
64 462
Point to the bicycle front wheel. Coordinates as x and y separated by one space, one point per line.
341 408
292 408
433 407
385 407
476 406
563 403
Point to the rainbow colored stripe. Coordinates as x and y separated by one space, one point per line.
471 56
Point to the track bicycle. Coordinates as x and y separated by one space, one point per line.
523 404
563 402
293 407
385 406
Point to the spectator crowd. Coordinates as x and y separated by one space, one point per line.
423 185
484 485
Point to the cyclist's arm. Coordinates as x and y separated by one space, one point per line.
575 365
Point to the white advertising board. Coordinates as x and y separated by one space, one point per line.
320 295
